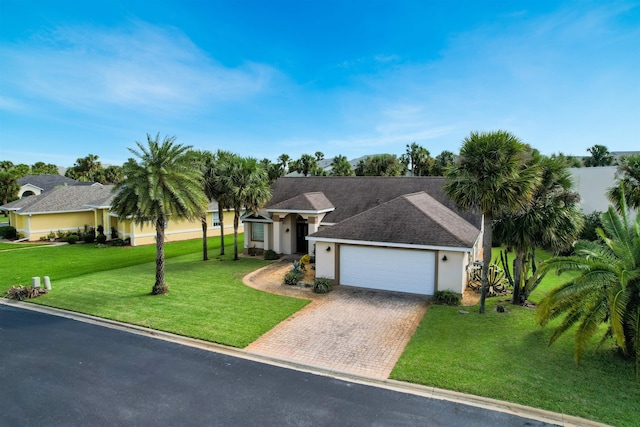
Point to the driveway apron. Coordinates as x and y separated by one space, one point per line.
352 330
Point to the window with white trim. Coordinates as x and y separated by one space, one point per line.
257 231
215 219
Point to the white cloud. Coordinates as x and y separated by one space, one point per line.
142 66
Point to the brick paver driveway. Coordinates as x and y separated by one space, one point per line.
351 330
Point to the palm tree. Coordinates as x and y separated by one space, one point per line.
491 176
9 186
216 178
249 188
600 156
551 221
340 166
205 162
163 185
606 289
628 175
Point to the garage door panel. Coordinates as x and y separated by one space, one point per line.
401 270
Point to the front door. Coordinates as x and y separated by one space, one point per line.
302 230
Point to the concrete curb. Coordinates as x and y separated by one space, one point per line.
399 386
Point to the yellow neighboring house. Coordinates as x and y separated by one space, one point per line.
72 207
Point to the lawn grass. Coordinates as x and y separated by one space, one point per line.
62 262
505 356
206 300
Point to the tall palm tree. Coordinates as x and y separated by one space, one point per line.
204 160
249 188
219 186
606 289
551 221
162 185
492 176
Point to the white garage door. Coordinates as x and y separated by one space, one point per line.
400 270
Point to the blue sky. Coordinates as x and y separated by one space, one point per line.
262 78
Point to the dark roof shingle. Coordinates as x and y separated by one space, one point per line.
415 219
356 194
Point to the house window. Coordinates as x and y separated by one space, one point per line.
257 231
215 219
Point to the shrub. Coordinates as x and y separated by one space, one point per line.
89 234
270 255
72 239
322 285
117 242
21 293
592 221
446 298
298 268
8 232
101 239
100 229
305 259
114 233
292 278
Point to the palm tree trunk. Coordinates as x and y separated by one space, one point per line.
486 258
236 222
160 287
221 218
205 252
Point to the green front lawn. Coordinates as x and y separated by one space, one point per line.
62 262
505 356
206 300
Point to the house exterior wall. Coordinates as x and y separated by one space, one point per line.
287 238
326 265
249 243
42 224
176 230
451 274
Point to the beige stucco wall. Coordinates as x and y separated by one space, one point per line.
325 260
451 274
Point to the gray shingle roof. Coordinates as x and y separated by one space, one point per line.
70 199
356 194
416 219
49 182
62 199
314 201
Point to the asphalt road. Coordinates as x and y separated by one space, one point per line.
57 371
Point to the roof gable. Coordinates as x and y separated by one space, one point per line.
312 201
49 181
415 219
